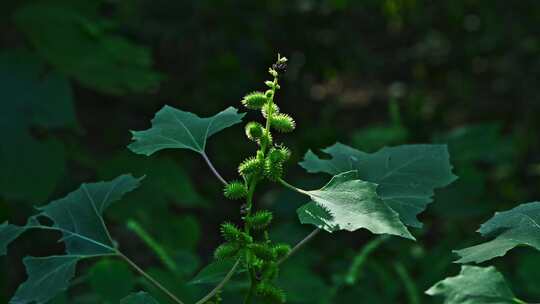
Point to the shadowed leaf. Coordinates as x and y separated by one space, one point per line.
518 226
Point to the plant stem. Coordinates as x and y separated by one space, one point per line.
249 202
216 173
291 187
299 245
220 285
149 278
410 287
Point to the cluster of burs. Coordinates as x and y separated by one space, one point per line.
252 245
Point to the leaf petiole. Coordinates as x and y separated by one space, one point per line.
149 278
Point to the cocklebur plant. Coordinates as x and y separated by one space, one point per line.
382 192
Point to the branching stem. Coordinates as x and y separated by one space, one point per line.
300 244
149 278
220 285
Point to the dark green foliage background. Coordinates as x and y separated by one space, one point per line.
75 77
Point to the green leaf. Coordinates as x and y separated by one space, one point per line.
173 128
77 41
351 204
8 233
406 175
515 227
78 216
47 277
139 298
111 280
474 285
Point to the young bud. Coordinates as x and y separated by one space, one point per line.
280 154
270 271
262 251
266 140
254 100
235 190
271 292
269 94
270 84
260 220
227 250
269 107
273 170
285 152
273 72
250 166
282 123
254 130
281 250
230 232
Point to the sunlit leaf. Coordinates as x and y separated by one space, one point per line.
406 175
173 128
474 285
347 203
516 227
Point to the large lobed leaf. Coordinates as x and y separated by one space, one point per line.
518 226
78 216
474 285
47 277
173 128
347 203
406 175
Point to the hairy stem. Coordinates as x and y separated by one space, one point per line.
221 284
300 244
149 278
216 173
249 202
